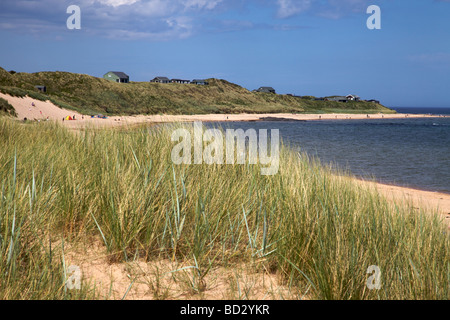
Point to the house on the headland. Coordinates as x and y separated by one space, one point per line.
117 76
374 101
42 89
337 99
161 80
265 89
200 82
352 97
180 81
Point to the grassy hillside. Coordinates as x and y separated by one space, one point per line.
6 108
91 95
316 230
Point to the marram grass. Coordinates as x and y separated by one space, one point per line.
317 228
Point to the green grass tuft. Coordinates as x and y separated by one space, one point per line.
6 108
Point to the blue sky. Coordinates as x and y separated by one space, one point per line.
303 47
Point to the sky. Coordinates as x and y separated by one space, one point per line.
302 47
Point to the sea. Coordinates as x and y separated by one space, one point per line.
409 152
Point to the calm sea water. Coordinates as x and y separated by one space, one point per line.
407 152
433 111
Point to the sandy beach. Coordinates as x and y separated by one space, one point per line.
46 111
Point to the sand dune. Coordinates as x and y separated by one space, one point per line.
39 110
33 109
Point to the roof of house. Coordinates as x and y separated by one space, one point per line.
266 89
162 78
336 98
120 74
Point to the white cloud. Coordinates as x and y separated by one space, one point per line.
201 4
288 8
156 19
118 19
172 28
330 9
338 8
117 3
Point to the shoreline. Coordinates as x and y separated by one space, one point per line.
118 121
36 110
413 188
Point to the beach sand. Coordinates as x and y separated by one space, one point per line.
39 111
42 111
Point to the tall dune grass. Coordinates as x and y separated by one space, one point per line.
318 229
